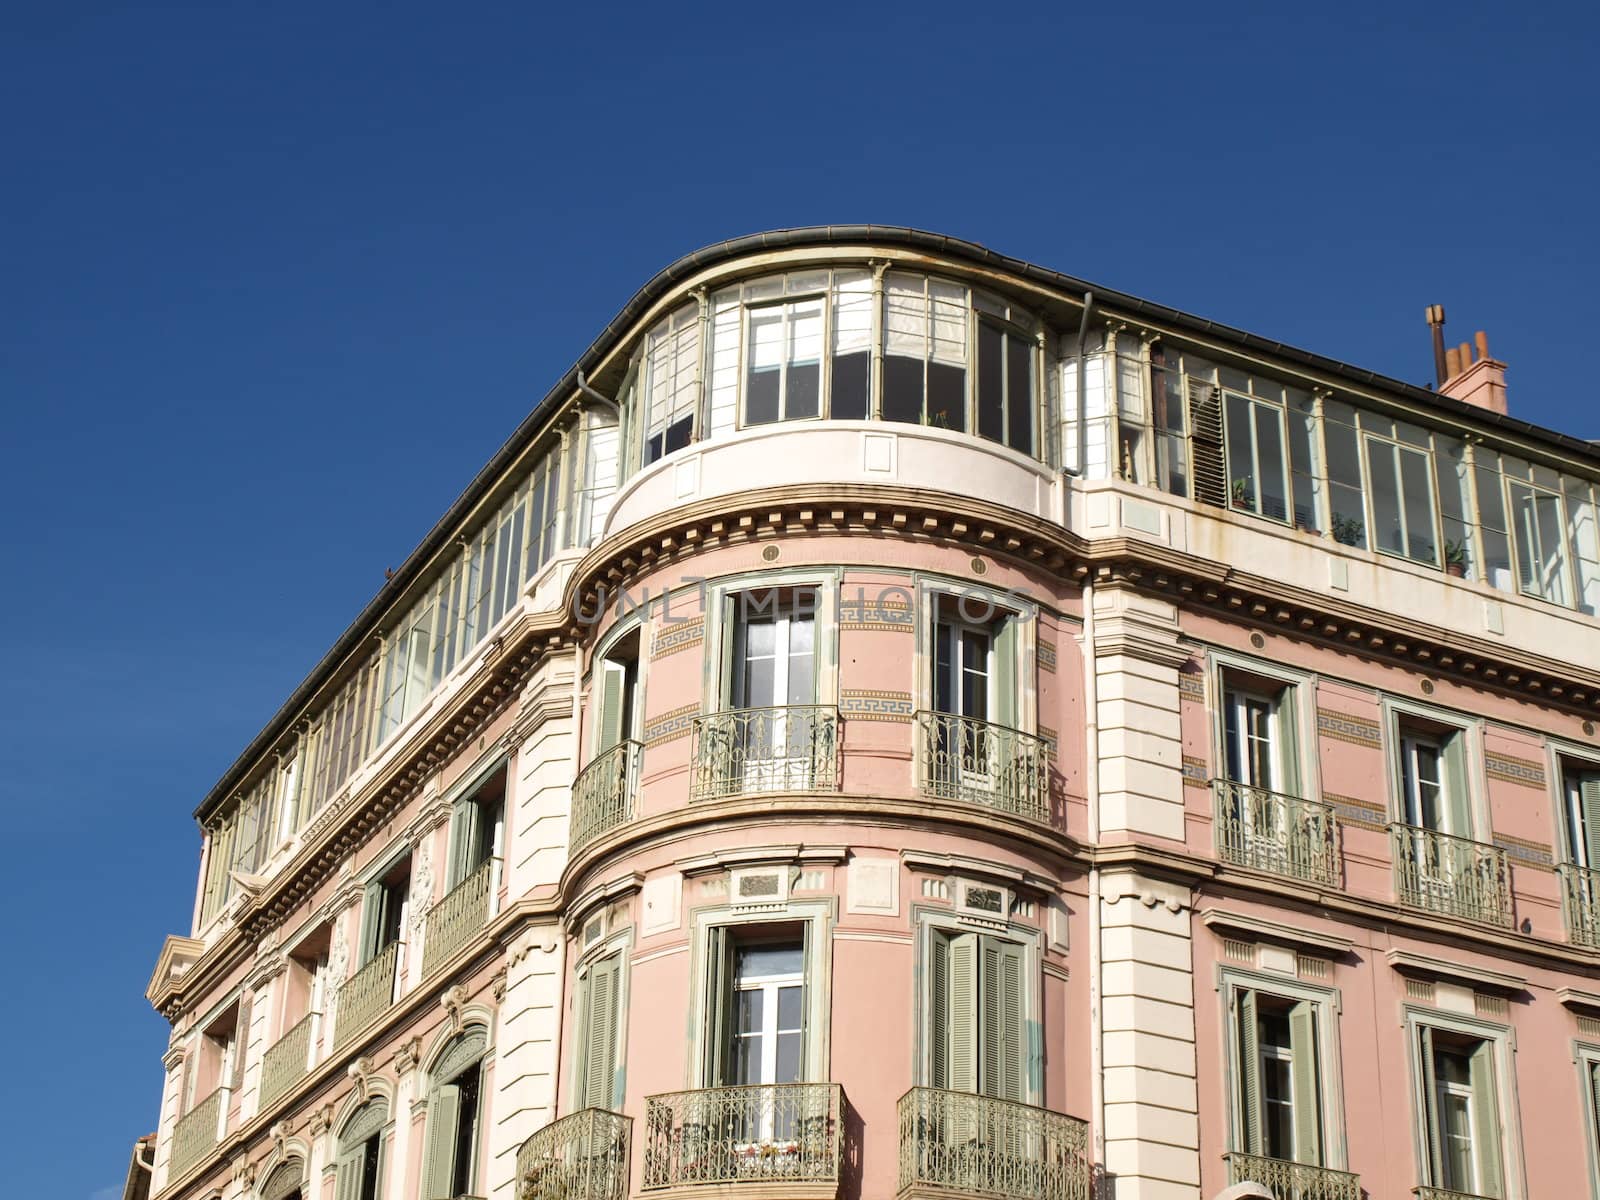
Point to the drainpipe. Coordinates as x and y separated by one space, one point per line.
1083 400
1091 787
583 386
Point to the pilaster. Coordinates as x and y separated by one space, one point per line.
528 1051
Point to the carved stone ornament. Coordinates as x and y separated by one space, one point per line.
279 1133
408 1056
1150 893
453 1001
243 1172
422 885
321 1121
545 939
498 986
359 1072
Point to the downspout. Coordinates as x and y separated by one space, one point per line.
1083 374
583 386
1091 785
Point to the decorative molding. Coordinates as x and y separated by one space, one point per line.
670 726
1258 928
867 704
1346 727
1510 769
960 864
1579 1000
1409 963
1120 885
359 1072
1527 853
406 1057
1353 811
880 613
455 999
1196 772
1044 654
1191 687
669 639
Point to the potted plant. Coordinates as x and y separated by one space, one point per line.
1241 494
1348 531
1455 558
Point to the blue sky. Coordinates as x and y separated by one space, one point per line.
276 280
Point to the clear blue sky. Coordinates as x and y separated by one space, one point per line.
275 280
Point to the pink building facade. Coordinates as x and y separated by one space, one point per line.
896 721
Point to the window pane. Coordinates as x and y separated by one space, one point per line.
1388 533
849 384
1241 453
1492 518
947 388
748 1010
991 382
788 1009
1416 479
764 959
788 1064
902 389
1271 463
1019 395
1344 481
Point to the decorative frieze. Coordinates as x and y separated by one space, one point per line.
1196 772
869 704
1509 769
1361 813
887 613
671 725
1346 727
1527 853
676 636
1045 655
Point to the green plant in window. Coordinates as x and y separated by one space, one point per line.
1348 531
1455 558
1241 494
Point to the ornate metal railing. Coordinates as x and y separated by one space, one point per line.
785 1132
1424 1192
1292 1180
1274 832
459 914
960 1142
286 1061
583 1156
195 1135
978 762
602 795
1580 903
366 993
789 749
1451 875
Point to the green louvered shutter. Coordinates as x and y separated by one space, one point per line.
1008 704
371 922
600 1034
1288 735
613 684
463 837
1430 1107
439 1165
939 1011
1011 1040
718 1003
963 1040
1457 785
1249 1073
1589 797
1307 1083
383 1165
1486 1121
1594 1098
352 1165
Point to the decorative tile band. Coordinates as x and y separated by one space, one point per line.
669 639
1192 687
860 613
1342 727
670 726
1534 854
866 704
1196 772
1514 770
1351 811
1049 737
1045 653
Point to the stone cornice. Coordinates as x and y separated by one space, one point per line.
177 958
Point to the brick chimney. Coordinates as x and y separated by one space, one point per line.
1467 373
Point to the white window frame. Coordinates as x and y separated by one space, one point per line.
1395 711
784 305
722 594
1298 690
930 590
1330 1007
1396 448
1503 1040
1559 755
1254 404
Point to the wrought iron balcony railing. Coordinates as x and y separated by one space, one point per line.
1292 1180
784 1132
287 1060
1580 903
964 1143
1274 832
195 1134
1451 875
793 748
366 994
603 794
583 1156
459 914
1424 1192
977 762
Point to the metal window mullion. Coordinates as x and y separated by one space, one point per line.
1109 372
700 421
1320 450
879 331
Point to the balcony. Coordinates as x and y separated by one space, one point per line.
1292 1180
286 1062
583 1156
1423 1192
602 795
459 914
786 1133
976 762
1580 903
195 1134
789 749
366 994
1451 875
1269 831
964 1144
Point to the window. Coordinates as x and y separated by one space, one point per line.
363 1153
925 351
383 913
850 380
1278 1096
220 1061
671 383
757 1021
287 1182
1433 777
1258 732
477 827
1171 426
978 995
617 714
1257 464
1401 487
1460 1111
455 1117
599 1005
1346 503
1539 528
783 374
774 678
1005 385
1580 811
1589 1087
975 660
